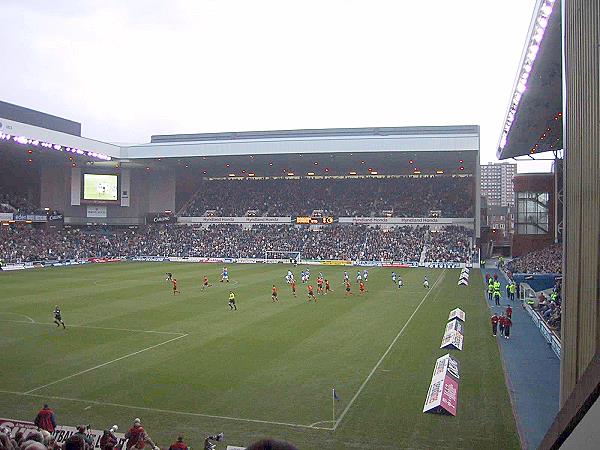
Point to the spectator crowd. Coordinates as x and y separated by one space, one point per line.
21 243
546 260
451 244
11 202
399 197
44 437
550 307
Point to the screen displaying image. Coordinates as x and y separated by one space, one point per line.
99 187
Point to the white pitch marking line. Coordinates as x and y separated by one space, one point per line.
98 328
322 421
167 411
18 314
88 407
104 364
362 386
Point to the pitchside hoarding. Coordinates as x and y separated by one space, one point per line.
457 314
442 396
455 325
452 339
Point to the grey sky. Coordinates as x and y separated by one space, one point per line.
129 69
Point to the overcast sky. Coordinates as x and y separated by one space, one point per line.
127 69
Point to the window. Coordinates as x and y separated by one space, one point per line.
532 212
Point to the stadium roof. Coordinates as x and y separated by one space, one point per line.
397 150
533 121
40 119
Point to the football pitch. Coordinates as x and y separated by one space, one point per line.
186 364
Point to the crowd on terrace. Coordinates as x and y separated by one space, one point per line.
22 243
546 260
550 307
451 243
350 197
11 202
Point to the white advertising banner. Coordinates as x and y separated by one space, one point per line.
405 220
6 216
236 220
457 314
442 396
96 211
452 339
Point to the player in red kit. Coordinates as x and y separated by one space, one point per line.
348 288
311 294
206 284
361 287
293 283
274 294
327 286
509 312
175 290
320 285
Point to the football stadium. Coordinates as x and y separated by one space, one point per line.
328 288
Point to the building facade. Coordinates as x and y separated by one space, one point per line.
497 183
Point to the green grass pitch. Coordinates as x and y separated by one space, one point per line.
187 364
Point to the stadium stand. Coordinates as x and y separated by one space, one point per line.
22 243
451 244
398 197
546 260
12 202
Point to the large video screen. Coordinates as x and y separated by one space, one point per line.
100 187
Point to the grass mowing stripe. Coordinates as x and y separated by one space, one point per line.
33 322
337 422
104 364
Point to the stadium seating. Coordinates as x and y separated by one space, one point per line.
11 202
398 197
341 242
546 260
452 244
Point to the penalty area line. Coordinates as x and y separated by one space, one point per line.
362 386
168 411
104 364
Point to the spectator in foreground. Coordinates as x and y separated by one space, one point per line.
46 419
271 444
179 444
109 440
81 431
137 437
75 442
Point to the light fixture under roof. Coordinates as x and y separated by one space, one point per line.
539 26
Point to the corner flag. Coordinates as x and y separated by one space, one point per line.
335 396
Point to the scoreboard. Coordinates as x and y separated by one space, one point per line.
307 220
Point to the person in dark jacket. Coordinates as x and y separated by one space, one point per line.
46 419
